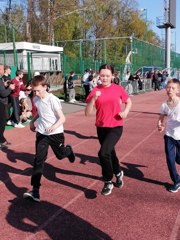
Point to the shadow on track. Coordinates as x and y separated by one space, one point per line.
58 223
132 171
78 135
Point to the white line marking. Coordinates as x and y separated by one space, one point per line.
42 226
174 233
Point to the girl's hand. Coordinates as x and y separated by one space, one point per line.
123 114
97 94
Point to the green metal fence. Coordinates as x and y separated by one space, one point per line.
82 54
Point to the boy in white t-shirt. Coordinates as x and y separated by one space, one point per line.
171 109
50 132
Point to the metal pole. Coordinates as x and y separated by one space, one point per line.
168 48
29 66
14 46
5 33
5 38
146 24
105 51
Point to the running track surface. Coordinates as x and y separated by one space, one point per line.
72 207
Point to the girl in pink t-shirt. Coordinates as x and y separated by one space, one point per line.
107 99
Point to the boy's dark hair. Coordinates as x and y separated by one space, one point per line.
107 66
6 67
18 72
38 80
174 80
90 78
72 72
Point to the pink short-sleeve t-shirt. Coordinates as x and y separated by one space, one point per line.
108 105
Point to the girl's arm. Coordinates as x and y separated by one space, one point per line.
128 105
58 123
90 106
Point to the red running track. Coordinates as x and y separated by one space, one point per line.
72 207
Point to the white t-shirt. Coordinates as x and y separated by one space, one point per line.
173 120
47 108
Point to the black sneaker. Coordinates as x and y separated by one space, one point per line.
119 180
32 195
70 153
174 188
107 189
3 145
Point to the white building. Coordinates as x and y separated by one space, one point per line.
43 58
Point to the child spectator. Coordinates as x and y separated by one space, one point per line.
71 88
25 111
19 85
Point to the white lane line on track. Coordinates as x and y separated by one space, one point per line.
174 233
42 226
140 143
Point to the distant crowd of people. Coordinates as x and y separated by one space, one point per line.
90 80
158 79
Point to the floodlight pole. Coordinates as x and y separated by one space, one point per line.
168 48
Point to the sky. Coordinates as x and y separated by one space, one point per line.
155 9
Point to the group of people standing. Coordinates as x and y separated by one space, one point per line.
13 109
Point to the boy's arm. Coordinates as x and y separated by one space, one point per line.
61 119
32 126
160 124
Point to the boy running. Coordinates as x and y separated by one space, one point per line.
171 109
50 132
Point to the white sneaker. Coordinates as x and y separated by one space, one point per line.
9 123
19 125
28 120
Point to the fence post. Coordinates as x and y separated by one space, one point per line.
80 56
14 47
29 66
104 51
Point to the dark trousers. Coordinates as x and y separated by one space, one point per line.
56 141
15 117
108 137
3 115
156 85
172 150
86 88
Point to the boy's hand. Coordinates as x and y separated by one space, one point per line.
161 127
32 127
50 129
12 86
